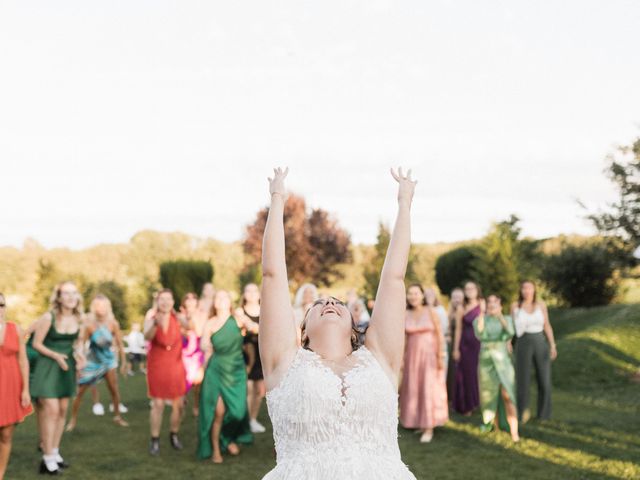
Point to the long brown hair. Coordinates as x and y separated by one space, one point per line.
466 299
521 297
424 298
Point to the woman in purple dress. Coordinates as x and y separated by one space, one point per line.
466 351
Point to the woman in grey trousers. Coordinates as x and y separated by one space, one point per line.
535 346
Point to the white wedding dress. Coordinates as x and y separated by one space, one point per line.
330 427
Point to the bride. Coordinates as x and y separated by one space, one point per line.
333 404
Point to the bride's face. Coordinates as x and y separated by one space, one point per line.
328 311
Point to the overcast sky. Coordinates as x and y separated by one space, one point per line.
125 115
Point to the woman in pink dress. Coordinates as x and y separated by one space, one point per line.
423 392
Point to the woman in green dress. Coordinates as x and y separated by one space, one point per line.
54 377
223 422
495 370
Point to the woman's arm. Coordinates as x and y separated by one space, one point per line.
385 336
79 344
458 333
441 349
117 333
548 331
23 362
150 325
278 333
205 342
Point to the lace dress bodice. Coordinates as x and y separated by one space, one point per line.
328 426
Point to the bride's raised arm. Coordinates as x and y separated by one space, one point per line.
385 336
277 329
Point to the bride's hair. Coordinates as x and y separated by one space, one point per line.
355 338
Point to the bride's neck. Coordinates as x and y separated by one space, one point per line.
330 344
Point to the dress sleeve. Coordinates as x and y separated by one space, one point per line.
508 333
481 336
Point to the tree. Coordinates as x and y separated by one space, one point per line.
582 275
48 277
455 267
183 276
315 244
115 293
622 219
373 267
496 263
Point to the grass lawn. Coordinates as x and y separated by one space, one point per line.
595 431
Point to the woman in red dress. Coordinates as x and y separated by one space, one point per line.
15 401
166 376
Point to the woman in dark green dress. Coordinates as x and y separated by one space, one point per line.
54 375
223 422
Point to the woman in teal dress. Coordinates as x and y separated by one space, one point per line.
102 331
223 422
495 370
54 377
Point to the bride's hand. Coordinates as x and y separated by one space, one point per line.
276 184
406 185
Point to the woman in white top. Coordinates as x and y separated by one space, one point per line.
333 405
535 345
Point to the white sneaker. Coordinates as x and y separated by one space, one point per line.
256 427
98 409
123 409
426 437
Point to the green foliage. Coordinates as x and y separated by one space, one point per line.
496 262
251 273
183 276
582 275
115 293
48 277
622 220
455 267
373 267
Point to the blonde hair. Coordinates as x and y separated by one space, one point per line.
92 317
55 304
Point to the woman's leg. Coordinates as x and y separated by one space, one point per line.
63 406
215 431
523 376
6 434
542 362
250 399
48 420
75 407
259 392
177 404
112 385
512 415
155 416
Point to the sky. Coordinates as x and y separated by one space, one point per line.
127 115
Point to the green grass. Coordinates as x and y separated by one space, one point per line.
594 433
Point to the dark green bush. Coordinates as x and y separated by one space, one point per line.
183 276
115 293
455 267
582 276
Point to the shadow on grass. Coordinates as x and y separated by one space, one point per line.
458 452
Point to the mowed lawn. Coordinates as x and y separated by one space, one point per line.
594 433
